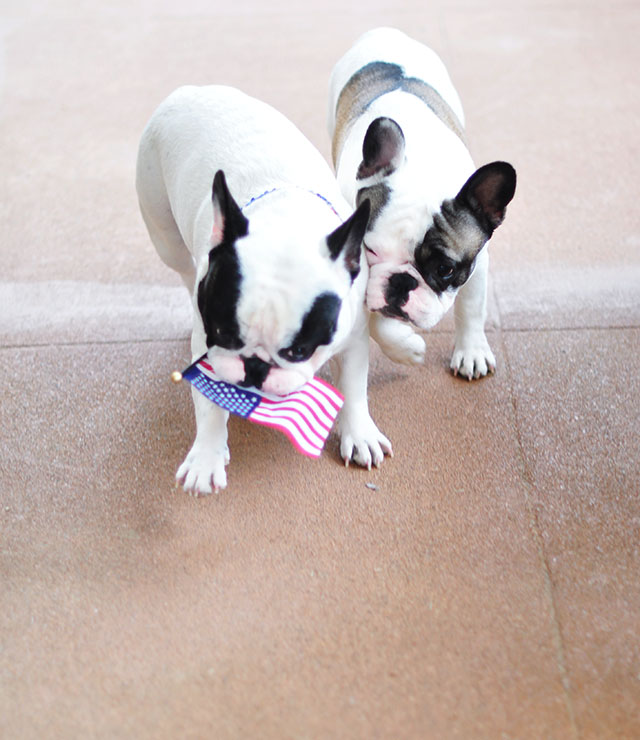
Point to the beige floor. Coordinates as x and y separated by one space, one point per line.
485 583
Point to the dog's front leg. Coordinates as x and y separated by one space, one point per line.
360 439
472 356
397 339
203 470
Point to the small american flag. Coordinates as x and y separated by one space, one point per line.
305 416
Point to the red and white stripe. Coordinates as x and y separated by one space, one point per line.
305 416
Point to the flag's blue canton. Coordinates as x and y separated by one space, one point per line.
229 397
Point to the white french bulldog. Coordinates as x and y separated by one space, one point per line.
397 128
278 282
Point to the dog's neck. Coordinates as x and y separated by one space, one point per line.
290 187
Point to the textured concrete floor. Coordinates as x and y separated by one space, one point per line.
486 583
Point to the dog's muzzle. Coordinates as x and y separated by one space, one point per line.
399 291
252 372
255 372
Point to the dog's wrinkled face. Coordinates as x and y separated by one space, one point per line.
272 297
420 253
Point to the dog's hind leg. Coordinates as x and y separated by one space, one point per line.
158 216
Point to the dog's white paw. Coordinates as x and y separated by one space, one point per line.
408 350
362 442
473 358
203 471
398 340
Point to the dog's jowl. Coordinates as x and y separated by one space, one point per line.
242 206
398 140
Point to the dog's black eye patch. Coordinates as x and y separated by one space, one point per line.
438 270
218 296
318 327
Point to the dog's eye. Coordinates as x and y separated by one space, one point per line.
368 248
445 272
226 339
296 353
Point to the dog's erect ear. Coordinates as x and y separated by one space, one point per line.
487 193
382 149
346 241
229 223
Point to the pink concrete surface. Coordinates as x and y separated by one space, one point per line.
485 582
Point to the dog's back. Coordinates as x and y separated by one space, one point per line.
386 62
199 130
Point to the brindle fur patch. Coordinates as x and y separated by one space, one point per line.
452 243
376 79
378 196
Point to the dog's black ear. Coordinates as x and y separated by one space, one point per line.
229 222
487 193
346 240
382 149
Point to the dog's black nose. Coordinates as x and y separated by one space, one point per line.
255 372
397 294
